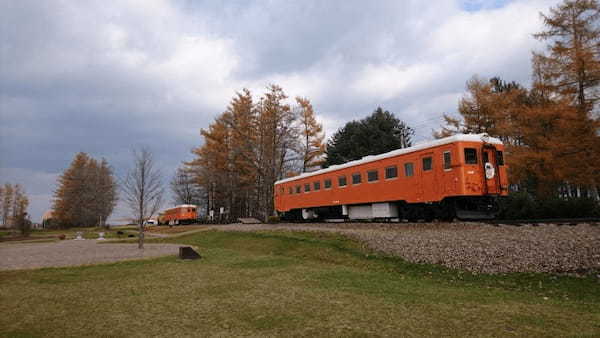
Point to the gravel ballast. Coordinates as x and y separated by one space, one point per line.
474 247
73 252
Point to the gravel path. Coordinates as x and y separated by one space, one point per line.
72 252
471 246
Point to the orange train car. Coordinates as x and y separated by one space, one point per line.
181 214
459 176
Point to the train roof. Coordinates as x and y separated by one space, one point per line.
182 206
419 146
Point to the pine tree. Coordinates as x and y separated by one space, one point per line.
312 147
378 133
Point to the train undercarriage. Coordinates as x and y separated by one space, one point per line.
461 208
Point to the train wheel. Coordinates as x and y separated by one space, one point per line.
447 211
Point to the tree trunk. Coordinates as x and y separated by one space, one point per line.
141 236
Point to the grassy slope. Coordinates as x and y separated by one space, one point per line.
290 284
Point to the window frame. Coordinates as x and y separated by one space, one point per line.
356 174
466 157
290 191
410 165
395 167
499 157
423 159
316 185
376 171
340 178
325 184
298 189
306 188
449 163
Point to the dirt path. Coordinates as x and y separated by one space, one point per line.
72 253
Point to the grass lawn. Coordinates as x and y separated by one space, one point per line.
290 284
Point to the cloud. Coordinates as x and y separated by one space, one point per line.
101 77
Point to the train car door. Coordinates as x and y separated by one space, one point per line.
490 170
428 181
448 181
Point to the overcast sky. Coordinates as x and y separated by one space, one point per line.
104 76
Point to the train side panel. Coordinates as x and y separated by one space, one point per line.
424 176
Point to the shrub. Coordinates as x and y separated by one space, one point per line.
517 206
521 205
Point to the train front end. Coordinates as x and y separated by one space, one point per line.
483 177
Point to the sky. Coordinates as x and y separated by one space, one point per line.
103 77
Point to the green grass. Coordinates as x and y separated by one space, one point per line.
290 284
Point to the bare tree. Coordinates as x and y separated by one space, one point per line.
185 189
143 188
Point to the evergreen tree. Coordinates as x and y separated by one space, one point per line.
378 133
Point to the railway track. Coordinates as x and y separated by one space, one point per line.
538 221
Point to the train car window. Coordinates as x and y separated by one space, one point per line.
372 175
298 189
447 160
342 181
327 184
427 163
486 158
391 172
470 156
408 169
500 157
290 190
317 185
356 178
307 187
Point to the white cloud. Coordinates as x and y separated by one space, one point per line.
99 76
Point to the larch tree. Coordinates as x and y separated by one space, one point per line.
16 201
572 67
107 192
248 147
7 202
143 189
312 147
69 197
569 74
1 198
21 220
278 137
86 194
241 117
